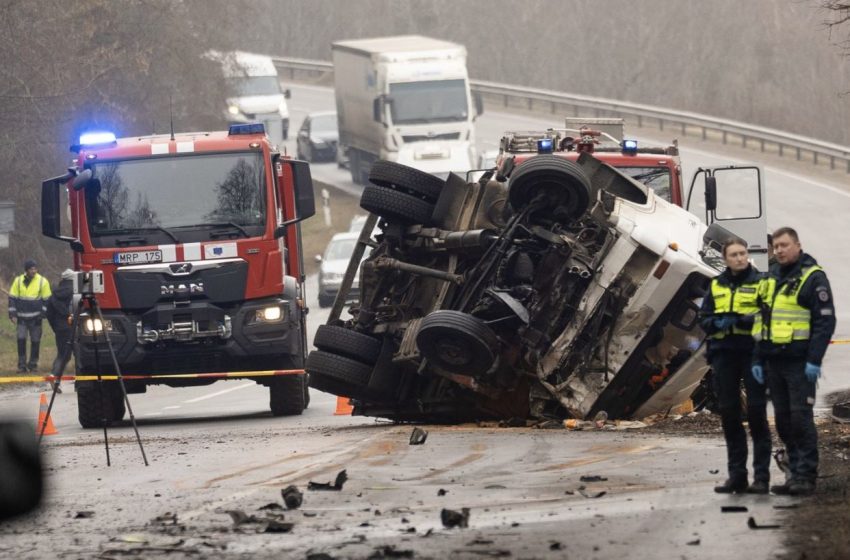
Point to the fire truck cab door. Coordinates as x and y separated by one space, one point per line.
734 198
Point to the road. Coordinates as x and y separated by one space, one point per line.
217 448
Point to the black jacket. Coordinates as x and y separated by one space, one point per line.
59 305
731 341
815 295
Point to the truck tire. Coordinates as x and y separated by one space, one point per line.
563 183
391 175
287 395
346 342
457 342
339 375
93 406
395 206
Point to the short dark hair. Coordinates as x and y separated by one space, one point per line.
733 241
786 231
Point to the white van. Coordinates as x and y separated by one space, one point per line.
258 95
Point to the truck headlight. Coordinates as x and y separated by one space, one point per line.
233 110
95 325
271 314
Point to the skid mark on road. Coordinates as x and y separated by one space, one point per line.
209 483
597 458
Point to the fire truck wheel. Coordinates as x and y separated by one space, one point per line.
563 184
94 406
457 342
396 206
348 343
287 396
391 175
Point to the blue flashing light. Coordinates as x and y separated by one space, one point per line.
250 128
630 147
545 146
97 138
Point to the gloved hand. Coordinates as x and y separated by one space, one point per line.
12 318
725 322
812 372
758 373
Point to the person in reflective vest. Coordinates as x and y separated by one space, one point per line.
727 316
792 334
27 305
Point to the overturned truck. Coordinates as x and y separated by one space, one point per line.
552 289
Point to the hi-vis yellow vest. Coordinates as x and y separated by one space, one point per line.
789 321
742 300
27 300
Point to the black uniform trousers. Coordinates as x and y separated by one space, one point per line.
793 398
63 351
730 367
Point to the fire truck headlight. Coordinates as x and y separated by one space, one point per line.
95 325
270 314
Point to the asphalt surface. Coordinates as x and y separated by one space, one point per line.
217 448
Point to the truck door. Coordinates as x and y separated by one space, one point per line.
734 198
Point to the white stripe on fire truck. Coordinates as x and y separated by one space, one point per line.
169 252
185 147
159 149
191 251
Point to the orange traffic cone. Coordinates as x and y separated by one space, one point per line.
343 407
49 429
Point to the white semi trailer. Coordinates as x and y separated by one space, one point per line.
404 99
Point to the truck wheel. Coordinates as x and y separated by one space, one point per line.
457 342
339 375
287 395
396 206
93 407
563 184
346 342
391 175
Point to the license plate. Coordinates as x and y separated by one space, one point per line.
137 257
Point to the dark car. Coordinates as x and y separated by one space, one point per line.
318 137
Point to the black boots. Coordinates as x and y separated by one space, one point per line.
758 487
732 486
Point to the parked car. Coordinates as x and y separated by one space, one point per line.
318 137
566 290
333 266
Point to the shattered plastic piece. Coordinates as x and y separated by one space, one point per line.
479 541
556 546
512 423
292 497
600 419
271 506
337 485
592 495
733 509
166 518
494 487
418 436
239 517
452 519
573 424
713 471
274 526
593 478
629 425
751 523
442 492
694 542
549 425
84 515
786 506
389 551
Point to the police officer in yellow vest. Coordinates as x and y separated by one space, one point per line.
727 316
27 305
792 336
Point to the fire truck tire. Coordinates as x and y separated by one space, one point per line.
563 183
396 206
287 395
391 175
346 342
457 342
93 406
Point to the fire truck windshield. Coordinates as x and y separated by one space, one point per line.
161 200
656 178
424 102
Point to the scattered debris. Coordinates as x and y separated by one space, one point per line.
84 515
733 509
479 541
239 517
512 423
786 506
274 526
389 551
492 553
556 546
273 506
319 556
714 471
292 497
337 484
694 542
494 487
751 523
592 478
592 495
841 412
452 519
549 425
418 436
442 492
166 518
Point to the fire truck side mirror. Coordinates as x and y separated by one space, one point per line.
302 185
82 179
51 208
710 193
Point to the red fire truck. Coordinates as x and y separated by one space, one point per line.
198 241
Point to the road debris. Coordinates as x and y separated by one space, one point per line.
592 478
592 495
452 518
556 546
273 506
337 484
418 436
714 471
274 526
84 515
442 492
389 551
841 412
733 509
694 542
292 497
786 506
780 457
751 523
239 517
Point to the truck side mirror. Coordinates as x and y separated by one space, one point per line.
51 206
710 193
302 183
479 103
82 179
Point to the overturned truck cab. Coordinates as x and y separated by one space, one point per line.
553 289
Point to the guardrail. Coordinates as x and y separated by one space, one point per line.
783 143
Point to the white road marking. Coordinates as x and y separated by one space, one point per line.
172 407
222 392
153 414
